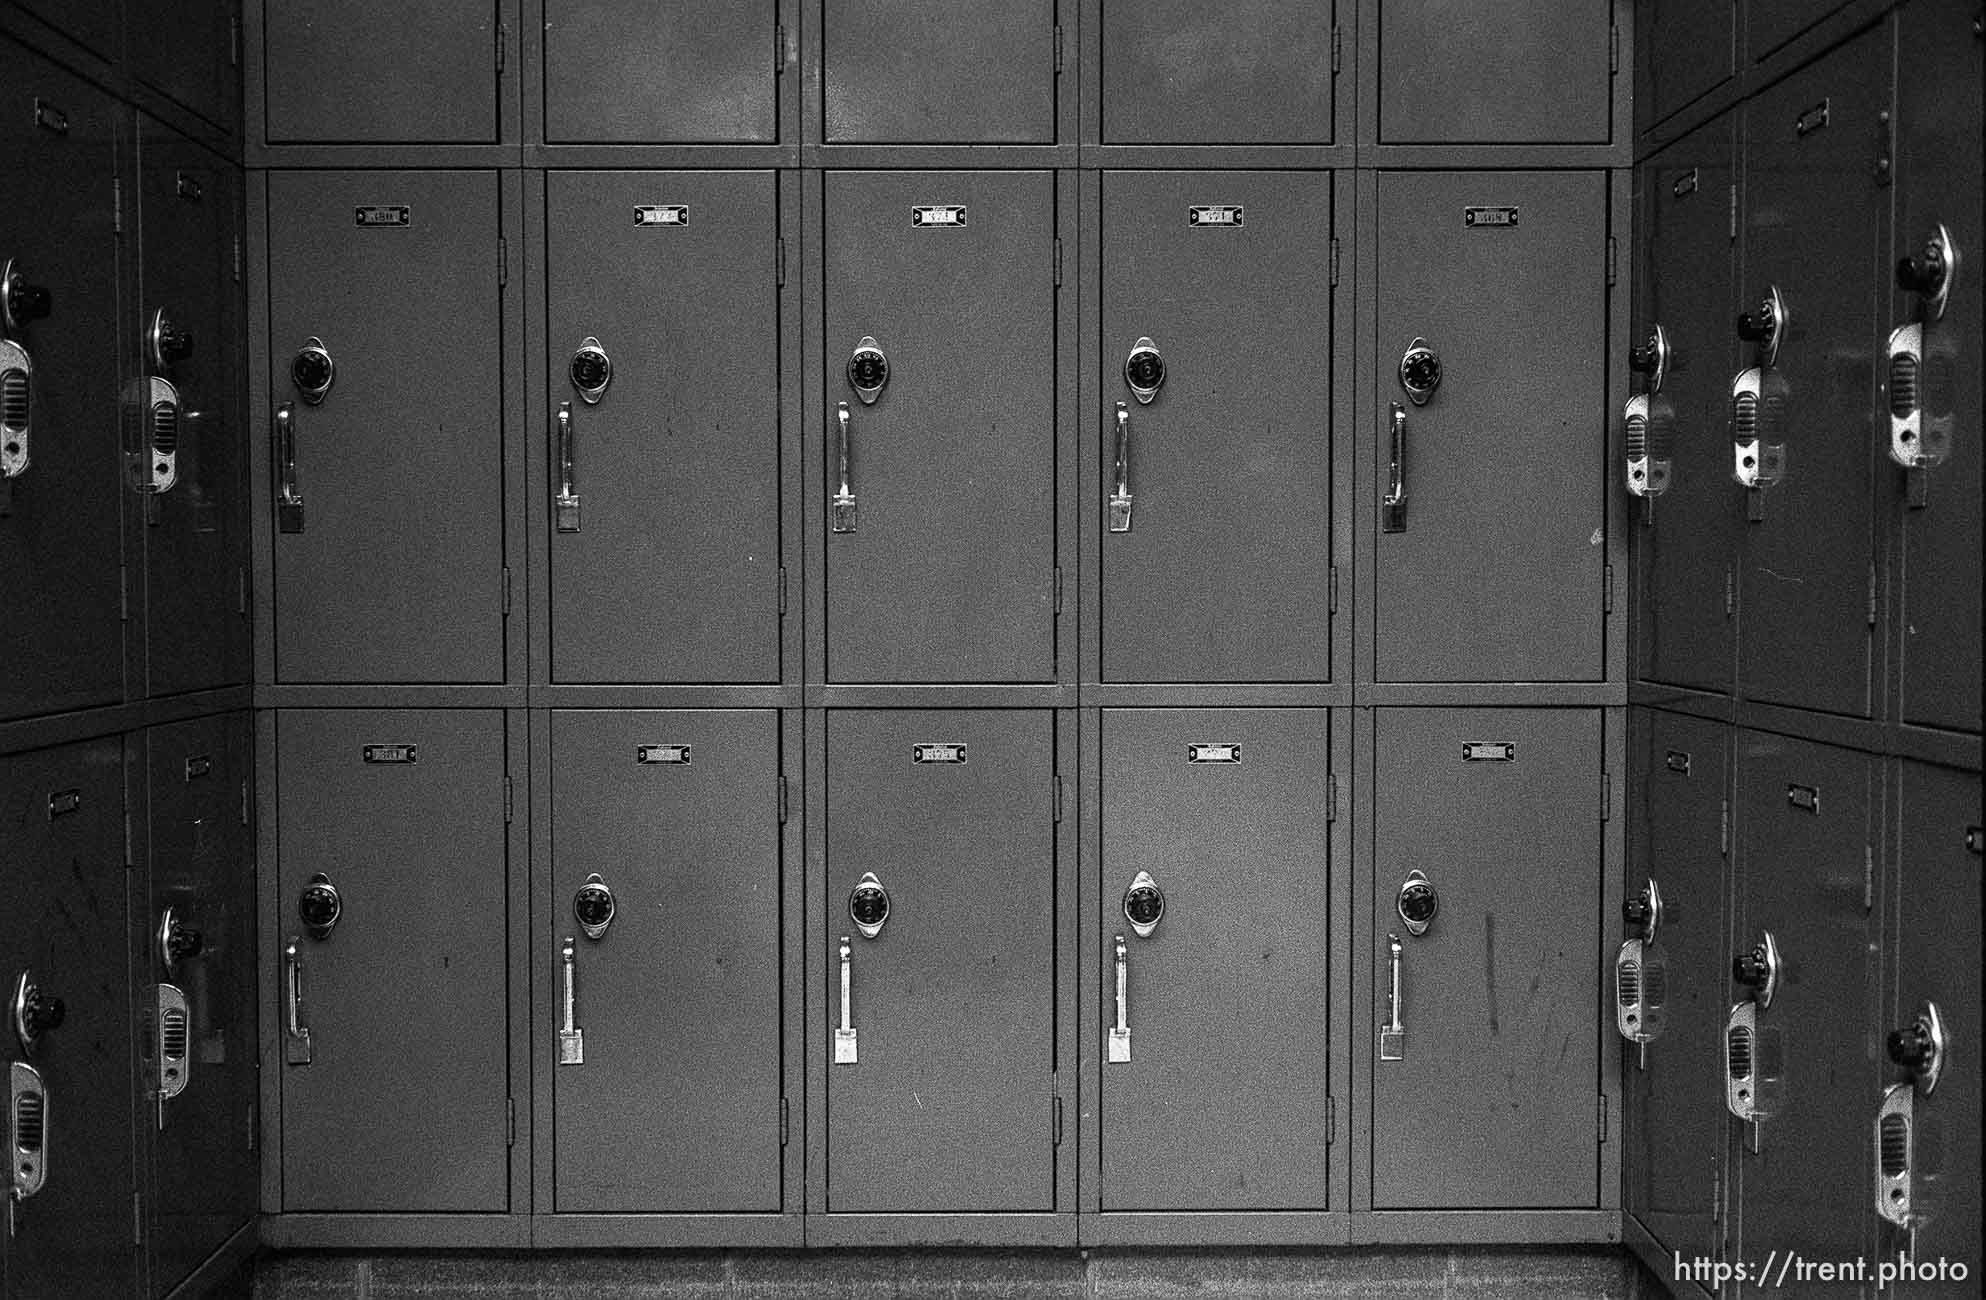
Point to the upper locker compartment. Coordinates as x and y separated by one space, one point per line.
188 51
1215 428
638 72
1683 49
1502 72
388 426
381 71
1207 72
918 72
663 357
93 23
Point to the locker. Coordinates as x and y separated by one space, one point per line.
387 379
377 72
59 498
1682 52
1938 130
632 72
1937 946
1805 876
63 945
1770 24
196 526
1813 215
908 72
390 890
196 940
1492 567
940 1094
1492 1101
941 564
1222 570
1674 1120
91 23
665 891
1687 536
665 511
1194 72
1534 72
189 52
1216 884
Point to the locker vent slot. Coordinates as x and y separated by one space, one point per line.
1744 417
16 400
172 1035
1630 983
1740 1043
1637 436
1895 1146
28 1120
165 428
1902 385
1655 984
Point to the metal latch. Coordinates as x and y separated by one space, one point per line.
153 415
572 1040
846 1047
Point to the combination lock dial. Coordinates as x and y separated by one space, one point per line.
313 371
1420 371
21 302
1919 1047
868 370
593 907
1758 968
1144 370
166 343
319 906
1929 275
35 1012
1651 359
1765 325
869 905
1144 904
1644 911
177 942
591 370
1417 903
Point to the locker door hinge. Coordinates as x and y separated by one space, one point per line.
506 591
1055 1122
782 591
254 1135
1331 809
506 801
123 593
241 591
1607 589
502 33
1337 49
1613 50
1058 263
1058 591
1603 1119
779 69
1872 595
779 263
1868 877
503 261
785 1123
1058 50
1613 254
1058 799
1330 1121
782 801
1606 795
234 41
510 1115
116 206
1331 601
244 801
137 1218
237 259
1734 212
1724 828
1730 590
1334 262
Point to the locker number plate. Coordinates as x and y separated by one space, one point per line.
1213 753
937 753
938 214
1477 218
1804 797
662 214
678 754
384 215
1488 751
1214 214
389 753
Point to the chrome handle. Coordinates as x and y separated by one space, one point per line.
565 507
289 501
1647 465
1120 494
844 1036
1393 1034
572 1039
27 1135
1393 513
1896 1141
296 1038
175 1027
1119 1051
842 512
16 410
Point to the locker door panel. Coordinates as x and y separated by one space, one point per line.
59 497
1223 1104
1813 217
196 530
1494 1102
1534 72
1769 24
1498 573
195 933
1193 72
947 1107
632 72
188 52
403 1104
673 572
948 573
64 929
1224 574
1687 538
675 1105
92 23
1682 52
396 573
1939 127
375 71
906 72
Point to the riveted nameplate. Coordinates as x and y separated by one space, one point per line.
1678 761
198 766
1479 218
189 187
676 754
389 753
50 118
1685 183
662 214
1213 753
1489 751
383 215
1975 839
937 753
1813 119
63 802
1214 214
939 214
1804 797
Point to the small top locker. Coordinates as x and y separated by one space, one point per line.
381 71
1495 72
920 72
1204 72
639 72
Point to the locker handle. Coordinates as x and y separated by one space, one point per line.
1895 1141
1120 493
1393 516
289 501
1119 1051
175 1060
845 1052
572 1039
16 409
1393 1034
565 507
296 1038
27 1135
842 512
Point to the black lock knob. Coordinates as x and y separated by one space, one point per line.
1644 358
184 941
26 302
869 905
1418 902
41 1013
1924 274
175 344
868 370
589 369
1751 968
1757 325
311 370
1912 1048
1637 911
1144 905
594 905
319 906
1421 371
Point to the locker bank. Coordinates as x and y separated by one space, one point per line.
1029 648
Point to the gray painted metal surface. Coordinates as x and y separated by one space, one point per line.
676 1104
634 72
403 1106
904 72
92 23
1770 24
673 574
949 1106
1682 52
376 71
1225 572
1534 72
1499 572
948 575
1495 1102
59 526
1195 72
1224 1103
397 574
187 51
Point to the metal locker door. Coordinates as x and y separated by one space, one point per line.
1217 533
634 72
1769 24
1491 304
1673 1124
940 1095
1215 901
1687 535
1518 72
1195 72
941 566
908 72
663 357
1812 221
93 23
1486 833
1937 187
196 979
60 606
377 71
196 526
1682 51
188 52
1937 953
395 1066
387 380
1806 877
66 1042
664 921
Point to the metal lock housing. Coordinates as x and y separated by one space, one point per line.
1647 473
16 408
1741 1062
591 370
34 1012
1765 325
1144 904
313 371
1931 273
1144 371
868 370
166 343
1651 359
1919 1047
1641 990
27 1131
1417 903
1420 371
593 907
319 906
175 1041
154 417
176 942
869 905
1896 1151
1759 968
1644 911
